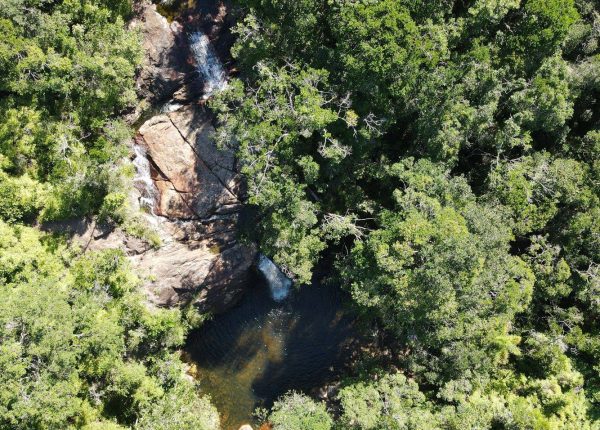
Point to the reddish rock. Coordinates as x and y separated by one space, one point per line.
164 66
193 177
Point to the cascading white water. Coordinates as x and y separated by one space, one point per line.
170 106
207 64
279 284
142 179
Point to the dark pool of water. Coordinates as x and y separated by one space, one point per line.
261 349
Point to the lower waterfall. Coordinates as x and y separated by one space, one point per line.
279 284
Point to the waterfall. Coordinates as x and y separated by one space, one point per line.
207 64
279 284
142 180
170 106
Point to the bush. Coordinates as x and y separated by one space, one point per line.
295 411
21 198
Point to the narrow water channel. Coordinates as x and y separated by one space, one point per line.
262 348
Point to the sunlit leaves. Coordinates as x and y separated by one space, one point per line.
79 344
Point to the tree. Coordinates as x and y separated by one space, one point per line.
278 128
546 104
81 349
392 401
296 411
67 71
438 273
382 50
541 28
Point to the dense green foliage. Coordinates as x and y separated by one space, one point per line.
447 154
79 345
66 72
295 411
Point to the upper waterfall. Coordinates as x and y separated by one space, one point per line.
279 284
207 63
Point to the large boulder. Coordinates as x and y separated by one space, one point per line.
227 279
195 214
195 272
189 266
194 179
197 211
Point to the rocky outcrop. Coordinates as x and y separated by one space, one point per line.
194 271
198 198
196 195
194 178
198 208
168 71
189 266
164 66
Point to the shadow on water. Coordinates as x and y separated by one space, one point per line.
261 349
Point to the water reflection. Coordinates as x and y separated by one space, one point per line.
252 354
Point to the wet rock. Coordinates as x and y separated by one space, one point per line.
191 267
195 214
197 211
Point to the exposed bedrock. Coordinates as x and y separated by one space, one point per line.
198 206
196 193
195 179
164 67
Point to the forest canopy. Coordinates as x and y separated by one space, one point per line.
446 155
443 154
66 76
79 345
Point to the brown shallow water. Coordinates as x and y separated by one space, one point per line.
261 349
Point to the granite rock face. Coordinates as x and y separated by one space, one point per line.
199 272
195 180
198 207
164 67
198 190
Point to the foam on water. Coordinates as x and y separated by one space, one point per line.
170 106
142 179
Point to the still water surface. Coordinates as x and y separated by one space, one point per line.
261 348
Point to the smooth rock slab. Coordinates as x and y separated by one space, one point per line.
188 267
193 177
